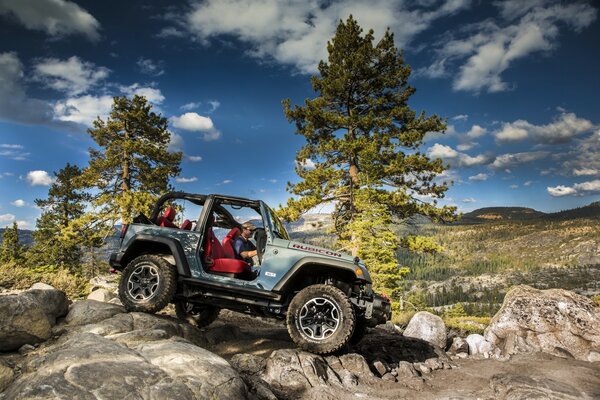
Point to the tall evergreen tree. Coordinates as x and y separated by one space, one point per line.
11 249
64 204
362 151
131 165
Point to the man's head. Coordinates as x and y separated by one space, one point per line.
248 229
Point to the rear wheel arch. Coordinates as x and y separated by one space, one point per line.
169 249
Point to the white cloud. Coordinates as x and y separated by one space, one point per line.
479 177
15 105
175 143
561 130
514 186
186 180
476 131
308 164
84 109
296 33
578 189
55 17
466 146
456 158
511 160
214 104
469 200
460 117
196 123
71 76
226 181
11 146
19 203
194 158
13 151
22 224
273 180
488 48
150 67
4 218
586 172
39 178
190 106
527 183
152 94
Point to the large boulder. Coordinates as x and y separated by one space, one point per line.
6 375
28 317
428 327
554 321
478 345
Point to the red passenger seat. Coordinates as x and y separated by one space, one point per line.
167 218
187 225
215 260
228 242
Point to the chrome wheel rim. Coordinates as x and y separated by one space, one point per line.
143 282
319 318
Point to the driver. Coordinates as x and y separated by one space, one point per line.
244 248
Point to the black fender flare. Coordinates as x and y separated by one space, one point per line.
306 262
183 269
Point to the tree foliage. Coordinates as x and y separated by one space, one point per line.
64 204
131 166
362 149
11 249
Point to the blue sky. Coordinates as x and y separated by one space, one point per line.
517 80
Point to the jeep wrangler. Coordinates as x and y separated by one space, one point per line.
325 296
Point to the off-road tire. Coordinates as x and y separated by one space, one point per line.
162 282
327 297
199 316
360 330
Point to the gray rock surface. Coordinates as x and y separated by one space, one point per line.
27 317
522 387
554 321
90 311
6 376
478 345
459 345
429 327
102 295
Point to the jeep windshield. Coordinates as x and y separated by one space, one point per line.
276 225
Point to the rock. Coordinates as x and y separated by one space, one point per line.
248 363
434 364
222 334
422 368
426 326
357 365
405 370
204 373
26 348
291 372
478 345
380 367
116 301
102 295
6 376
459 345
462 355
553 321
389 377
522 387
90 311
54 303
23 321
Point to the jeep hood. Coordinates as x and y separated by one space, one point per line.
320 251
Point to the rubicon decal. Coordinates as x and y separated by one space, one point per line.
316 250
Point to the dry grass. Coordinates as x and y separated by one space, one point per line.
13 276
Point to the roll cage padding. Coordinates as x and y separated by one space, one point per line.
183 269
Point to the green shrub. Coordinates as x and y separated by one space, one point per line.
464 326
13 276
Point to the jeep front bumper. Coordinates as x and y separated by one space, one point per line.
382 311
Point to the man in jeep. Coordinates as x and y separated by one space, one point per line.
244 248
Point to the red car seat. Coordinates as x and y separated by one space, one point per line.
215 261
228 242
167 218
187 225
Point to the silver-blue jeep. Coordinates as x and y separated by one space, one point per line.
184 253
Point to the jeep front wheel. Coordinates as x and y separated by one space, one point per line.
197 315
147 284
320 319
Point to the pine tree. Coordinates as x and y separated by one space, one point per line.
11 249
64 204
362 150
131 166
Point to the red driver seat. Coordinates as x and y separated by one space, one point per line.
228 242
167 218
215 260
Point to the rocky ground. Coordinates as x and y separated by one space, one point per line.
96 350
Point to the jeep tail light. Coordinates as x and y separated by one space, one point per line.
123 231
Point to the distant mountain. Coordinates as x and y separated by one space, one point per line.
495 214
25 236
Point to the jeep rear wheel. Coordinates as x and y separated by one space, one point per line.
147 284
197 315
320 319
